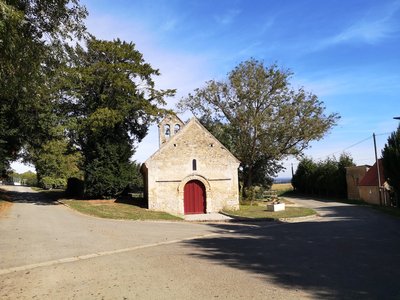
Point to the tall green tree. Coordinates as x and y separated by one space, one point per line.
32 35
111 98
55 161
391 160
323 178
259 117
345 160
302 180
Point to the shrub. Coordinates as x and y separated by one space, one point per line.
52 183
75 187
108 169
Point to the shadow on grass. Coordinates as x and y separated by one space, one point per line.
354 254
132 200
51 197
236 218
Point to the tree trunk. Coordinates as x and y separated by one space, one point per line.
247 183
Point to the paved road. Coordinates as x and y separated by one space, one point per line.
50 252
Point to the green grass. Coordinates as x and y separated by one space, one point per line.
112 210
260 212
263 202
108 208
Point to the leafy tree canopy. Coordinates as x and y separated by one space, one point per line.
32 33
259 117
56 160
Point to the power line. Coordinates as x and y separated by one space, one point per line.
385 133
355 144
362 141
351 146
294 164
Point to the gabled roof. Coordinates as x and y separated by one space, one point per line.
371 177
193 121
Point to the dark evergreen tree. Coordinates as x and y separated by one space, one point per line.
345 160
302 179
391 161
111 99
324 178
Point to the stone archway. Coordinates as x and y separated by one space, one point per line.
194 197
207 192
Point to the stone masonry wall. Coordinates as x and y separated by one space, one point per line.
353 178
171 168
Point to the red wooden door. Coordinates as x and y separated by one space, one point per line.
194 197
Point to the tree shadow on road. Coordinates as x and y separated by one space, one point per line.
37 198
354 255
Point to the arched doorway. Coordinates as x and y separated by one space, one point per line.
194 197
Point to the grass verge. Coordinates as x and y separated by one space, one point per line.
260 212
264 202
112 210
109 209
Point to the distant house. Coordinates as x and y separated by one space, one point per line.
369 187
363 184
354 175
191 172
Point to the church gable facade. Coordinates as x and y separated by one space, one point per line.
192 172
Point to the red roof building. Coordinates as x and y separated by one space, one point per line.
371 177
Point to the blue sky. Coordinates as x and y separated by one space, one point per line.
346 52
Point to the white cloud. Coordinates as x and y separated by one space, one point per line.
179 70
349 81
228 17
169 25
251 49
369 30
267 25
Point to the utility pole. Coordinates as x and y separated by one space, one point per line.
378 170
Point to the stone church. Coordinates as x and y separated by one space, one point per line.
191 172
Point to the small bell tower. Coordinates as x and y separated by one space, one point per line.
168 127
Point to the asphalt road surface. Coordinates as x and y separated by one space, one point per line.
48 251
